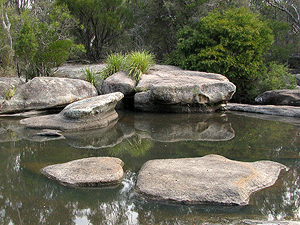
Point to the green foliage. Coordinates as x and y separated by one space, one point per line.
136 63
229 42
44 41
90 75
101 24
139 63
114 62
6 57
277 77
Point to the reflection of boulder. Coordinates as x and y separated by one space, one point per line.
179 127
90 113
209 179
97 138
88 172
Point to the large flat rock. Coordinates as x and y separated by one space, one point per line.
167 89
209 179
90 113
47 92
88 172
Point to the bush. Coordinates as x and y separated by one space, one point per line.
115 62
139 63
277 77
90 75
229 42
136 64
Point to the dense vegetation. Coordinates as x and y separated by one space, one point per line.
248 41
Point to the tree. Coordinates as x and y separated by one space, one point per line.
48 43
291 8
229 42
26 46
101 24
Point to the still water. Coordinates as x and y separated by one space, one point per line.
27 197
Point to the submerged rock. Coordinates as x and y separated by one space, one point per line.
209 179
90 113
280 97
178 90
46 93
88 172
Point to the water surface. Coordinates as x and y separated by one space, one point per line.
27 197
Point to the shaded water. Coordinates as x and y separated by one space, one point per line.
27 197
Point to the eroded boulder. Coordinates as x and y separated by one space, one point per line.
88 172
90 113
280 97
177 90
209 179
46 93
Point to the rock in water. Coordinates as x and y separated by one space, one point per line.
177 90
209 179
88 172
46 93
90 113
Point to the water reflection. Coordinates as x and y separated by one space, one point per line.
26 197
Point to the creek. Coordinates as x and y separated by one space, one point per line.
27 197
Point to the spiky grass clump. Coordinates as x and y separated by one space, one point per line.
90 75
115 62
139 63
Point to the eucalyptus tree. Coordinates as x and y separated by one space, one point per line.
101 24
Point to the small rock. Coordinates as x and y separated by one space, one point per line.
88 172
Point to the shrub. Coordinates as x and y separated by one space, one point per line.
229 42
277 77
139 63
90 75
115 62
136 64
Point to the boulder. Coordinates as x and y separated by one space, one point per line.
280 97
178 90
90 113
276 110
46 93
210 179
174 127
297 76
88 172
118 82
77 71
7 87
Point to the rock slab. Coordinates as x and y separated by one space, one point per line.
88 172
276 110
90 113
47 92
210 179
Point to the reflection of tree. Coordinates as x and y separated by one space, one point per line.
282 200
135 146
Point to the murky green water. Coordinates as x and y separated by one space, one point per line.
27 197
